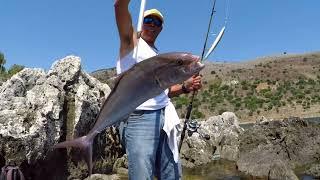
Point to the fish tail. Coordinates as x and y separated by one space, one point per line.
85 144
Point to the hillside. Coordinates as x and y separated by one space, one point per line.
274 87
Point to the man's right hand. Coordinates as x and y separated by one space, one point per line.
126 31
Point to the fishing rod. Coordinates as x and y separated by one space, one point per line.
142 8
140 21
187 122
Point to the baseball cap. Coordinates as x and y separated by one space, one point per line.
153 12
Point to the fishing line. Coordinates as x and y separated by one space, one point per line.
221 33
227 12
208 31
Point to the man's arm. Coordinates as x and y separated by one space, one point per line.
175 90
192 84
128 37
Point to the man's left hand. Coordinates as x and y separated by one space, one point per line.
193 83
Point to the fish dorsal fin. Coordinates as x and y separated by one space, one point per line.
121 75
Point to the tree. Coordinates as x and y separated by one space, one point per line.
4 74
2 62
15 69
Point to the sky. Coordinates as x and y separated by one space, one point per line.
36 33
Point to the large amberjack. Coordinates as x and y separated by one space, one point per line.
143 81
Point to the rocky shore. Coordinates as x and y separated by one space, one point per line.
39 109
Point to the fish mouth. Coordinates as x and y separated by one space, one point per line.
195 67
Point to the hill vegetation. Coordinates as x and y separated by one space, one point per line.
6 74
274 87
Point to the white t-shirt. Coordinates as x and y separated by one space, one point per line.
141 52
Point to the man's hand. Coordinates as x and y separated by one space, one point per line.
193 83
128 37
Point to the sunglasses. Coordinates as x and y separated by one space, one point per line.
155 21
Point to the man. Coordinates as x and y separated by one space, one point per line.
145 140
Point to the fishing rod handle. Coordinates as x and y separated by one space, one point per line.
187 118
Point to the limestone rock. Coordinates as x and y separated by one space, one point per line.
39 109
314 170
223 131
280 170
291 142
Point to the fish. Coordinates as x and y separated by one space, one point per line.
142 81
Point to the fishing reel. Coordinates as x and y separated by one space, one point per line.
193 126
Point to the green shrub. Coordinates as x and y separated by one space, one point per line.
197 114
4 75
2 63
180 101
224 87
15 69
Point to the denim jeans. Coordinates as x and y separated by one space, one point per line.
146 146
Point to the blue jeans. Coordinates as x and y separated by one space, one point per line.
146 146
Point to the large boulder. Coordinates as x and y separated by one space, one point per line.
224 133
275 148
313 170
39 109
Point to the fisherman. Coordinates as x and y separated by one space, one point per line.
150 149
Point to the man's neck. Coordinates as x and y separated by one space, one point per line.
150 43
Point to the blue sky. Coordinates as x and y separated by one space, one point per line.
35 33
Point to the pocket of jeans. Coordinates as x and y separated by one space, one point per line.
137 113
135 117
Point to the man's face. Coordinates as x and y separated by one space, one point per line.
151 28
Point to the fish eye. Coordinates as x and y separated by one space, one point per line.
179 62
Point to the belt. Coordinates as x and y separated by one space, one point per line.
147 111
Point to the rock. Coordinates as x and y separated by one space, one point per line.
103 177
280 170
122 171
292 142
120 164
107 76
314 170
24 135
39 109
262 120
223 131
